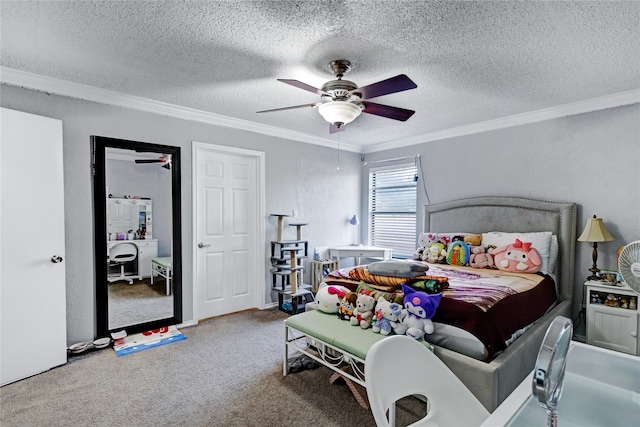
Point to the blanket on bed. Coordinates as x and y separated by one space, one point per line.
492 305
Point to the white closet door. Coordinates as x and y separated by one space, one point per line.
33 327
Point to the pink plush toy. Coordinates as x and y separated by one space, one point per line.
518 257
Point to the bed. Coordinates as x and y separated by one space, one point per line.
493 379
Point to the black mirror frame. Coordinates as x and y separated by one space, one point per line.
99 146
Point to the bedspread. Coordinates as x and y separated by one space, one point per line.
492 305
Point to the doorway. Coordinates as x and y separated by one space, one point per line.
228 222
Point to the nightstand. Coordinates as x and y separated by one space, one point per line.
612 317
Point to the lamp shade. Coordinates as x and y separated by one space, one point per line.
339 112
354 220
595 231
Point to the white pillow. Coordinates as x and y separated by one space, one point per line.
539 240
553 254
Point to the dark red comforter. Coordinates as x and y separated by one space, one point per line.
492 305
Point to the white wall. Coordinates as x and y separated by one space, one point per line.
298 176
591 159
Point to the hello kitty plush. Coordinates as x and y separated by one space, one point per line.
424 242
518 257
388 317
420 307
328 298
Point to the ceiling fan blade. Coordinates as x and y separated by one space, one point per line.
387 111
333 128
395 84
315 104
303 86
150 160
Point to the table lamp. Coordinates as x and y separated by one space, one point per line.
595 232
355 221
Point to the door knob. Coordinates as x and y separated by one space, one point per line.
202 245
56 259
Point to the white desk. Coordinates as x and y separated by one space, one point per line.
358 252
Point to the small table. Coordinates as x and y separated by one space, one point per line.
358 252
162 267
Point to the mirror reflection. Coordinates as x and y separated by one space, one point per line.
138 287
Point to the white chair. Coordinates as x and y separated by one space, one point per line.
399 366
121 254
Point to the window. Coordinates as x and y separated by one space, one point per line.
392 208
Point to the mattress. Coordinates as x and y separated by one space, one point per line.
482 311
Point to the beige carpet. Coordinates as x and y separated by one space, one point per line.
228 372
140 302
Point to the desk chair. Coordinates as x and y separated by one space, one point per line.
121 254
422 374
163 267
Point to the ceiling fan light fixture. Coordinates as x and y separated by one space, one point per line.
339 112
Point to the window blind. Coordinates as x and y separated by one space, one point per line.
392 208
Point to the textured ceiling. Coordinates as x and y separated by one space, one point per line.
473 61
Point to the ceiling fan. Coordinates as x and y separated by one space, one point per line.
343 101
165 160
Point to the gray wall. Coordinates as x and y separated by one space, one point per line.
298 176
591 159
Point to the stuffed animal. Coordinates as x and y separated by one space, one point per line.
363 313
387 317
480 258
420 307
458 253
424 242
347 304
328 298
436 253
472 239
518 257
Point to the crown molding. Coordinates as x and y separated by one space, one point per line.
587 106
90 93
66 88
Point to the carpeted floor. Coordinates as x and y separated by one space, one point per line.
139 302
228 372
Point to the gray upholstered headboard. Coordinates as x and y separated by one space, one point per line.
512 214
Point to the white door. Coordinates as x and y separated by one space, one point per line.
229 230
33 321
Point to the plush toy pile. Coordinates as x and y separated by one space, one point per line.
466 249
409 312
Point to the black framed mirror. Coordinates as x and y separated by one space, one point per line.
137 235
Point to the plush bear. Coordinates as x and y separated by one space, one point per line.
480 258
472 239
457 253
424 242
420 307
387 317
518 257
347 304
436 253
328 298
363 313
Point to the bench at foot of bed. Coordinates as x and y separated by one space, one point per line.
332 342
